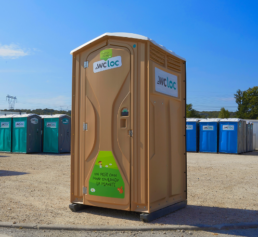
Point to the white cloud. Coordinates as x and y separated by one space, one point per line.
12 51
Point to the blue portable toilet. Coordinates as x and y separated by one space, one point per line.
192 134
231 136
208 133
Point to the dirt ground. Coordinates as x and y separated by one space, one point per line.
36 188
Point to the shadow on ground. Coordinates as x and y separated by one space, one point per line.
10 173
191 215
50 154
3 156
251 153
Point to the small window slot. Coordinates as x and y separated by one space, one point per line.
123 123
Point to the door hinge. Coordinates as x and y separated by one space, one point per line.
84 190
131 133
86 64
85 126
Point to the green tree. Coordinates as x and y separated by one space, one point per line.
224 113
191 113
247 102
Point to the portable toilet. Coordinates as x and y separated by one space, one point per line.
128 126
192 135
231 136
26 134
6 133
57 133
208 135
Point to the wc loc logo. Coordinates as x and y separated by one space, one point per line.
34 121
51 125
19 125
166 82
207 127
65 121
111 63
228 127
4 124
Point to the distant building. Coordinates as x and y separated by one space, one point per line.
9 113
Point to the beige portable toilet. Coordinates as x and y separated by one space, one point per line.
128 145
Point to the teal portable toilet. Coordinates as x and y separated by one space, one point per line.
26 133
57 133
6 133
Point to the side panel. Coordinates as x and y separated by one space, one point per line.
51 129
167 145
76 123
248 131
19 141
5 134
244 135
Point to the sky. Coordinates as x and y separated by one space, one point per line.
218 39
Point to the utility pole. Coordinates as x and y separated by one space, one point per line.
11 101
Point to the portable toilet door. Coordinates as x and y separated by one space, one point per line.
26 134
128 125
192 135
6 133
64 134
231 137
57 133
208 135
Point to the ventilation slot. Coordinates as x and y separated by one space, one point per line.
157 56
174 64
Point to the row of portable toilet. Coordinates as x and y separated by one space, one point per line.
219 135
31 133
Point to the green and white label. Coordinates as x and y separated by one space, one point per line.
207 127
65 121
5 124
105 179
19 124
189 127
106 54
34 121
228 127
111 63
51 125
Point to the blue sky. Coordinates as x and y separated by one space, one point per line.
218 39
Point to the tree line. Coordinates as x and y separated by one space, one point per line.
40 111
247 107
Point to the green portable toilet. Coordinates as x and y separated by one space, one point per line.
57 133
26 135
6 133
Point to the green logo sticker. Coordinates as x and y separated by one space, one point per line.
65 121
105 179
106 54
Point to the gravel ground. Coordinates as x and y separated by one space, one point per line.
35 189
9 232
